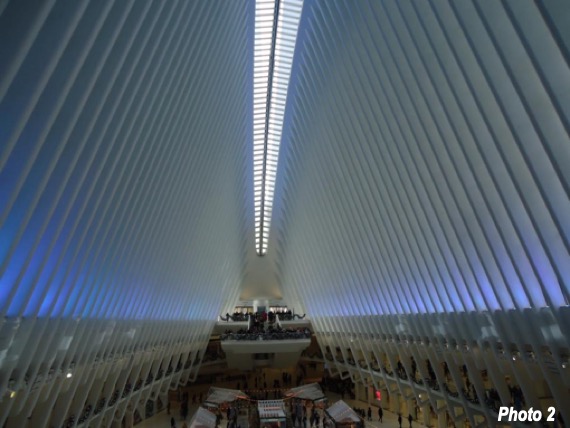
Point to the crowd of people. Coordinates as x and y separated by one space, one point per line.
271 333
344 387
300 414
283 314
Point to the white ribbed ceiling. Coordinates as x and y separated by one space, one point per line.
422 199
124 158
125 197
426 158
422 186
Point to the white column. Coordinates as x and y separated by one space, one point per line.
395 403
426 415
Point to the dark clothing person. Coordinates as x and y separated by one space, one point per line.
400 421
410 419
369 414
380 414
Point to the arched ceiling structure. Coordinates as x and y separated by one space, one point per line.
125 197
124 158
426 159
422 191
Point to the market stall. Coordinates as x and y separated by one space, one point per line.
311 392
222 398
272 414
341 415
203 419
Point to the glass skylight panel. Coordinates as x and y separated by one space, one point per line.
273 58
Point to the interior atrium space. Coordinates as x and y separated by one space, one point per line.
313 207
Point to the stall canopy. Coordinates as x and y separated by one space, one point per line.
341 413
218 396
271 409
203 419
311 392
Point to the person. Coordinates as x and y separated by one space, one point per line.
410 419
400 420
369 414
172 422
380 414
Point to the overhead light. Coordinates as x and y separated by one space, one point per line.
68 375
274 43
12 394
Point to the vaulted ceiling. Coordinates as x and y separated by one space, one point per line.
425 160
424 169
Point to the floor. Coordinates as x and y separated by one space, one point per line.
390 420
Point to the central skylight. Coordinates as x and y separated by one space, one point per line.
276 26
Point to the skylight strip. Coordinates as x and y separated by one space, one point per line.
273 58
284 45
263 46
